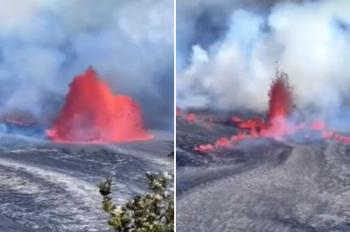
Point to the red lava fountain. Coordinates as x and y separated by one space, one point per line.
280 106
92 113
280 98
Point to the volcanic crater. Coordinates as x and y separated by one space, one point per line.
247 171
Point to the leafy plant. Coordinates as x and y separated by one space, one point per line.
152 212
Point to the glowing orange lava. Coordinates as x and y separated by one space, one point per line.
280 99
92 113
191 118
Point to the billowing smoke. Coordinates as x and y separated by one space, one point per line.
232 64
44 44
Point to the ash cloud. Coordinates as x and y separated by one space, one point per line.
233 64
44 44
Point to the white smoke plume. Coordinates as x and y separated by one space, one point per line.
44 44
310 40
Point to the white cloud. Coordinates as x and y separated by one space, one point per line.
306 39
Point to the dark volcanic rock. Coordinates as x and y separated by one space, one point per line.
8 225
261 186
53 187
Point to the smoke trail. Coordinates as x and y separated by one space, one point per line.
44 44
234 67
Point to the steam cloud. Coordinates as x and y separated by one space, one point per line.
230 62
44 44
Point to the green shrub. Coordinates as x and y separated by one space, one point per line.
152 212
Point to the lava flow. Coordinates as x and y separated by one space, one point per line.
193 118
18 118
277 124
92 113
189 117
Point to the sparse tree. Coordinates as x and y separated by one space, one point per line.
152 212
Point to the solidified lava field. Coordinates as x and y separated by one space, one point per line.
260 185
53 187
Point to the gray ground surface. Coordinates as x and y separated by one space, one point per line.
262 186
52 187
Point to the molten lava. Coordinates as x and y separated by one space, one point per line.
18 117
280 99
255 124
280 106
276 125
91 113
191 118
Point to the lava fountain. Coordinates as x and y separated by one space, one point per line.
280 107
280 98
92 113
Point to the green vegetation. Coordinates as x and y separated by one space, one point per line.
152 212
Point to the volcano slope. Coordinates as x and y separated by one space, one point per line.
52 187
261 185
